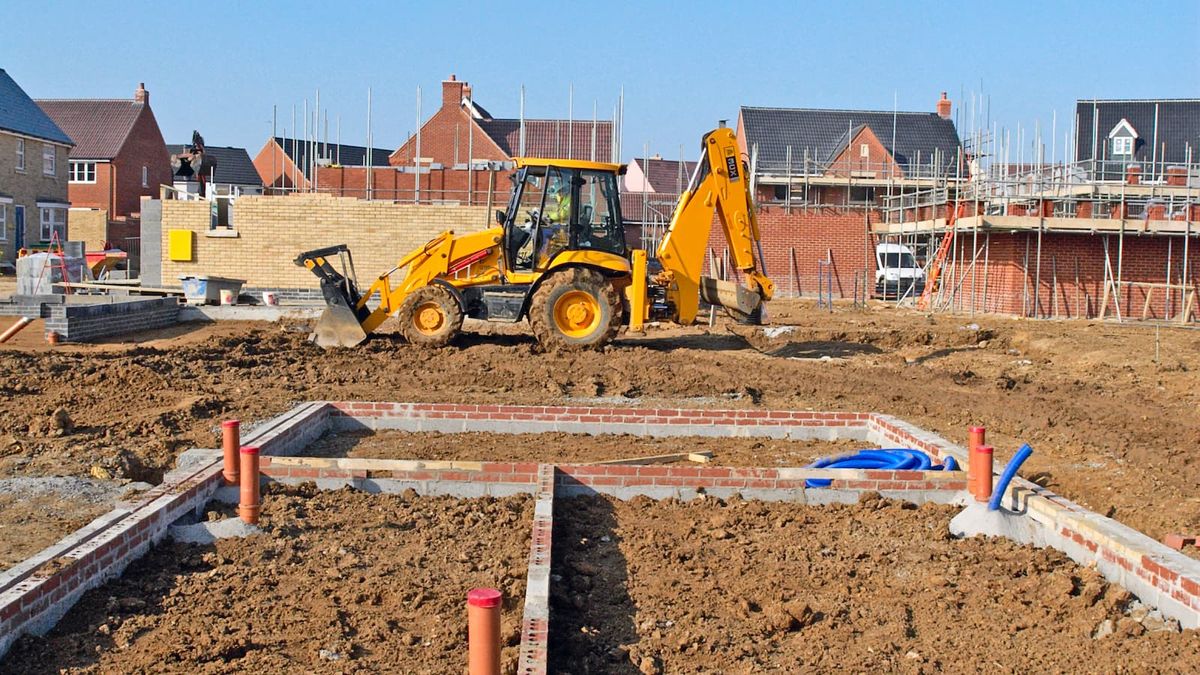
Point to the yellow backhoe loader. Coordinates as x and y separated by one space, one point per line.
558 257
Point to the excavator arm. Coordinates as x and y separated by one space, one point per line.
719 185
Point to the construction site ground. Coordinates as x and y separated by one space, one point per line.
337 582
745 586
576 448
1109 409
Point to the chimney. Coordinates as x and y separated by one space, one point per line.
944 107
141 95
452 92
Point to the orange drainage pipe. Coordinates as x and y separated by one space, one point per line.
15 328
983 480
975 437
52 338
483 631
249 501
231 440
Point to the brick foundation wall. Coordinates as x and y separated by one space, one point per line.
271 231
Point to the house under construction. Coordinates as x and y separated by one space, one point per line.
1106 232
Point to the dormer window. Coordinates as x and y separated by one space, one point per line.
1122 139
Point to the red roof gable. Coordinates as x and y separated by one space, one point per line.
99 127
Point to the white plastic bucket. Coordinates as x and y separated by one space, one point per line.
227 297
270 299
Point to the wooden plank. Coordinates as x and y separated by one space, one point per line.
123 287
368 464
703 457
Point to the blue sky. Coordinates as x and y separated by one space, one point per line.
220 66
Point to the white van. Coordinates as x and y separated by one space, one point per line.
897 273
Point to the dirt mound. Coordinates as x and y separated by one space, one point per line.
707 586
339 581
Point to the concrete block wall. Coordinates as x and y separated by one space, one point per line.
83 322
96 317
272 230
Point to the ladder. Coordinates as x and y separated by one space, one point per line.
56 249
939 259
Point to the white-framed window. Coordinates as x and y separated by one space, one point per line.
21 155
53 220
145 176
864 150
49 160
83 172
3 222
1122 145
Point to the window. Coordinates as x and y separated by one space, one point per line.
49 160
83 172
21 155
1122 145
597 225
54 220
862 195
3 222
864 150
145 177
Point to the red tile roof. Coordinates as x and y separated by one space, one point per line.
557 139
99 127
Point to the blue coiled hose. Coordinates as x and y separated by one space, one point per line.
894 459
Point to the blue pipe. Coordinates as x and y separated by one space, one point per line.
950 464
895 459
1010 470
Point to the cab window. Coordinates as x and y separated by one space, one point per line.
598 221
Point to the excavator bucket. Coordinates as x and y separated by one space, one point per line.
338 327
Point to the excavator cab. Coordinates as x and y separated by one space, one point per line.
560 206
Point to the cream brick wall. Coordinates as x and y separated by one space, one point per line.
272 231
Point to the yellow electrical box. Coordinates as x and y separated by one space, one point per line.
180 245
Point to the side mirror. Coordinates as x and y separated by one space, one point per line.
500 216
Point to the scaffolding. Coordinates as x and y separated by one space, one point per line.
1087 197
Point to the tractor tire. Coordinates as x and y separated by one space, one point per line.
430 317
575 309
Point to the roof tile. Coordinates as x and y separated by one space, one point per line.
98 126
19 114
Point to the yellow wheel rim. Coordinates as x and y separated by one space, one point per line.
429 318
577 314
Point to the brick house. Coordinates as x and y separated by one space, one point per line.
288 164
820 178
1151 134
33 172
1111 232
466 153
119 157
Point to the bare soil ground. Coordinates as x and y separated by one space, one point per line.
1110 410
754 587
338 582
567 448
30 524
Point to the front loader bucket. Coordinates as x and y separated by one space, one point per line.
338 327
